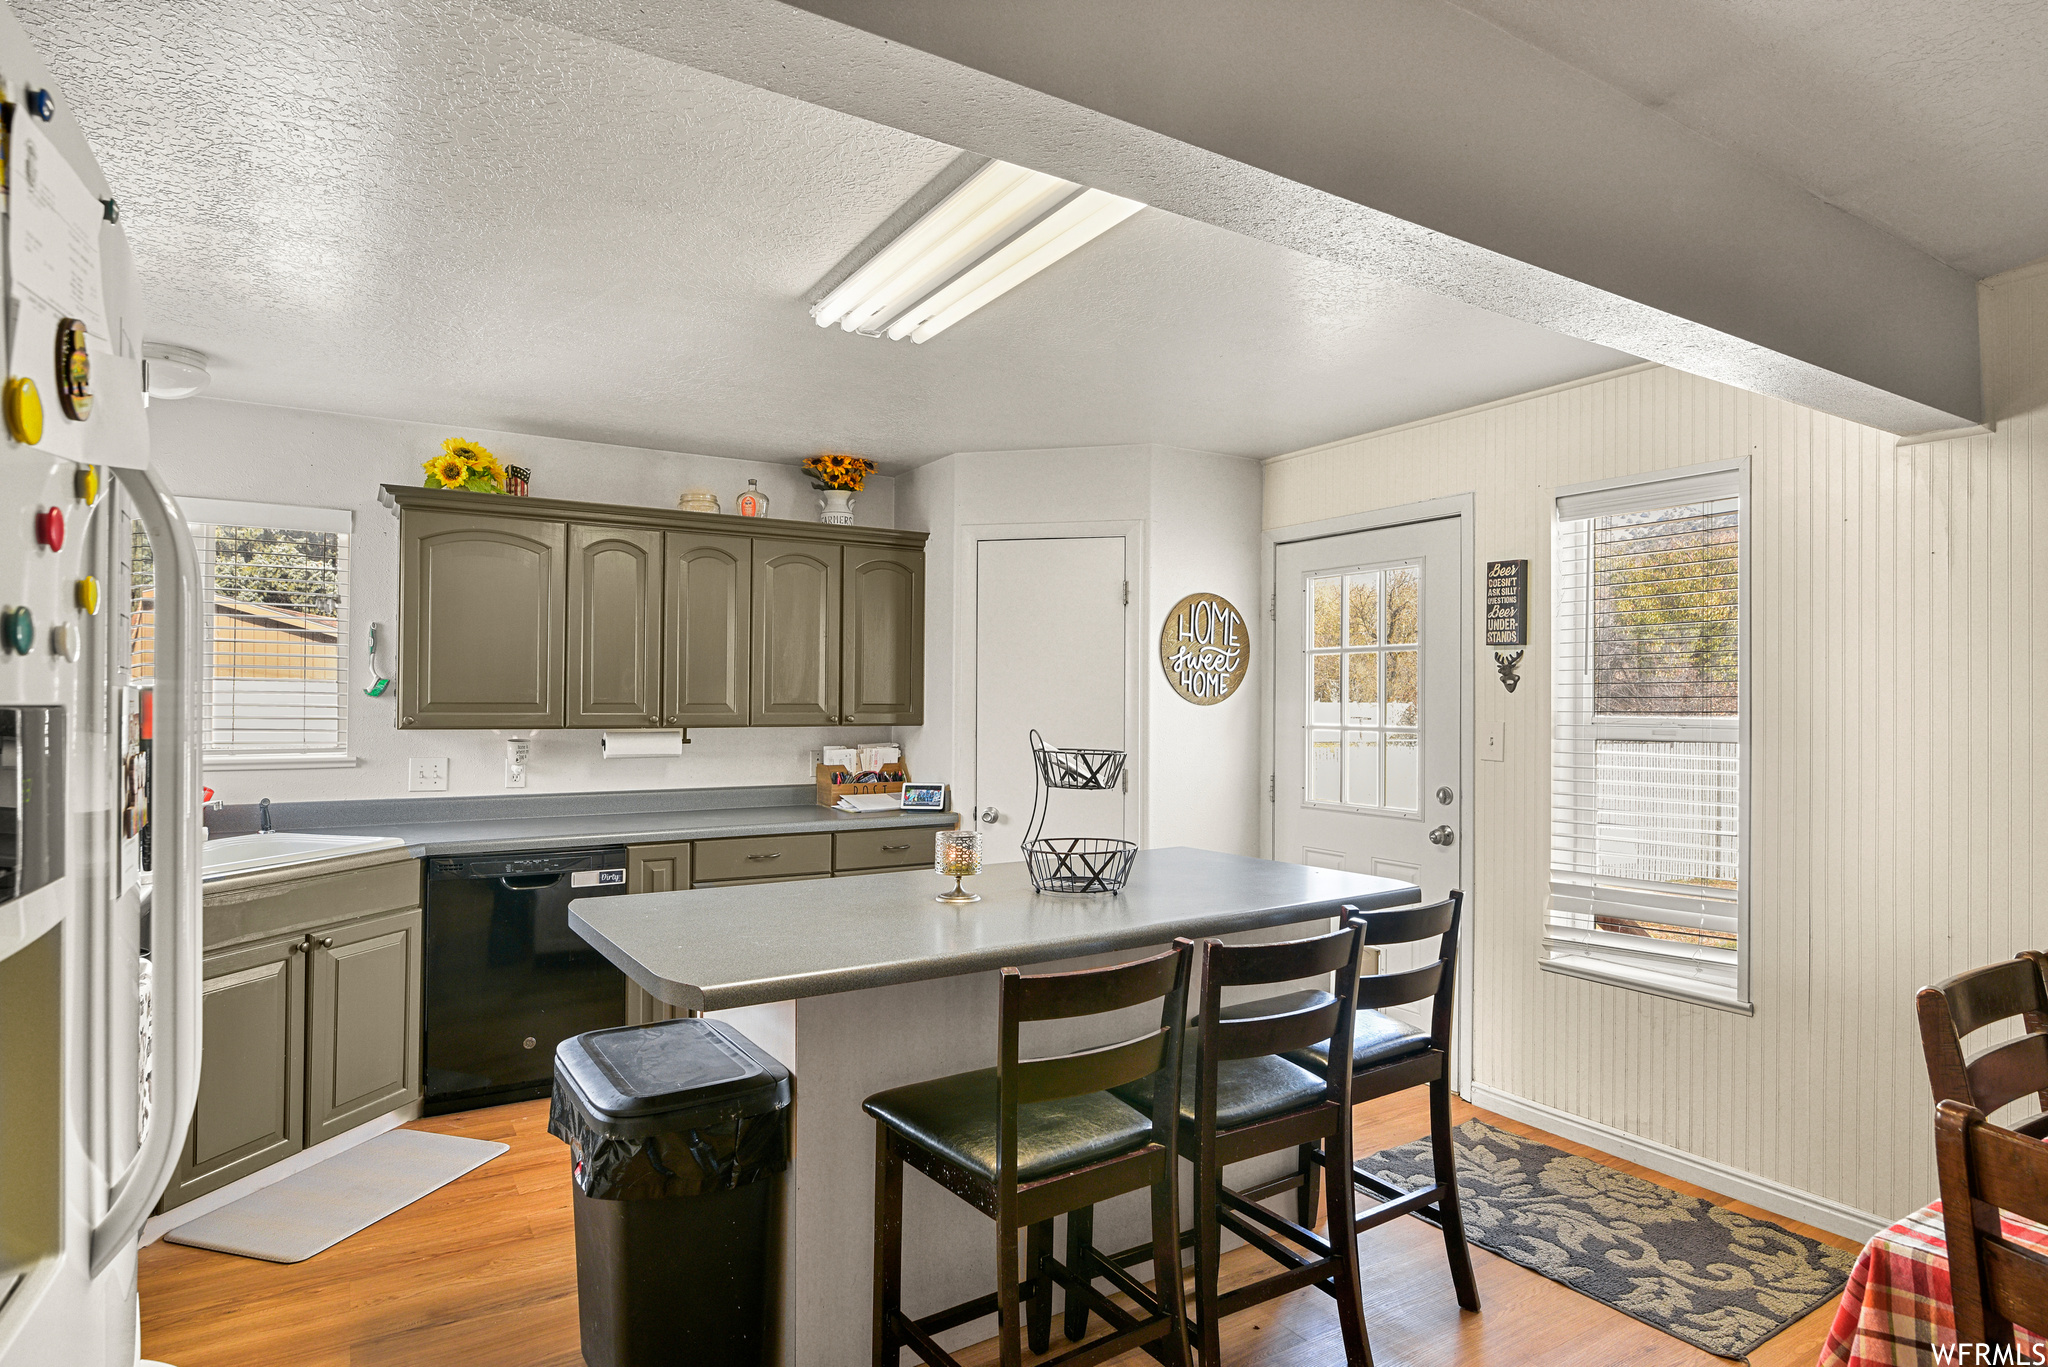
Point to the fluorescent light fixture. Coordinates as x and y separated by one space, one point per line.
1003 226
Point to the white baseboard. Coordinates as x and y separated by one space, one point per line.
157 1226
1789 1202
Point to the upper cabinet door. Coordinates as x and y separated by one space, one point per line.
481 620
614 626
707 637
796 633
882 654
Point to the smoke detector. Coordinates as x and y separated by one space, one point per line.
173 372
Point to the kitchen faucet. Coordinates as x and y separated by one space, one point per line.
263 815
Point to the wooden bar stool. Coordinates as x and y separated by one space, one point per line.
1389 1056
1238 1099
1028 1140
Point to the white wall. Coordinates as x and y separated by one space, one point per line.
1198 522
216 449
1899 664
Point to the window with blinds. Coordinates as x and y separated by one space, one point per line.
275 654
1646 867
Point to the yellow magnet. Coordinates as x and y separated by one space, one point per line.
89 596
24 410
87 483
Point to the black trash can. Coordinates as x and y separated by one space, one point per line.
674 1131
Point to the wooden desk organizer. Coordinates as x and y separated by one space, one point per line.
832 784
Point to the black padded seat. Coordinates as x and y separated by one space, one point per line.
955 1117
1247 1090
1376 1037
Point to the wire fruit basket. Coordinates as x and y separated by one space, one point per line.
1080 864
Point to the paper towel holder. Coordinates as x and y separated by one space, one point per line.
651 743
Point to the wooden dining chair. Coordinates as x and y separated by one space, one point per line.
1960 1006
1031 1139
1987 1170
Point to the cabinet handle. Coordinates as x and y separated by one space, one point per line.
895 847
298 947
757 858
325 942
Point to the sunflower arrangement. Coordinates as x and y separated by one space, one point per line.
465 464
837 470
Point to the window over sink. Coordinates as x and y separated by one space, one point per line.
275 653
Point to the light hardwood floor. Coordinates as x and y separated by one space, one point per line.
482 1273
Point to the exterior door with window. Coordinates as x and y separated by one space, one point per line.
1368 632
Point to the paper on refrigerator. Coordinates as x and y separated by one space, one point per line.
53 232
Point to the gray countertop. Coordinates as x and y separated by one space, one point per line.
425 839
716 948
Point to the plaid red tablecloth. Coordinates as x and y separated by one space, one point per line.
1897 1310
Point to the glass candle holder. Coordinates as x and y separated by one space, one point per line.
958 857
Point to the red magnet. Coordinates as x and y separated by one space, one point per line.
50 528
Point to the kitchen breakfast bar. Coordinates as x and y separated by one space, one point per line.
861 984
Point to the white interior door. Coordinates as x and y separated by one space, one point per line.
1049 653
1367 719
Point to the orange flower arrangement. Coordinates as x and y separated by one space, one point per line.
838 470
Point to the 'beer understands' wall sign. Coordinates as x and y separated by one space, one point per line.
1204 647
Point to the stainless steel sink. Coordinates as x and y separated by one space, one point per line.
278 849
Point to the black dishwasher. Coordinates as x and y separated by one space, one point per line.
507 980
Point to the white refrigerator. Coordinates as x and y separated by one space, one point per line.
99 967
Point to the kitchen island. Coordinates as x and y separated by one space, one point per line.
867 983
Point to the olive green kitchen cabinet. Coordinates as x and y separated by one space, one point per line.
251 1109
482 618
544 613
707 629
310 1012
796 633
881 667
654 868
615 626
363 1020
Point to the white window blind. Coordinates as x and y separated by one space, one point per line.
276 638
1646 881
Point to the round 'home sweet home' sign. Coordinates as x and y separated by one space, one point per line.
1204 647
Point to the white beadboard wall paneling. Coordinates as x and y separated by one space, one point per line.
1899 658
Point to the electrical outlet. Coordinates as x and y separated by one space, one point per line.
427 775
1493 741
516 751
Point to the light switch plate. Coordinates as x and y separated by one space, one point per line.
427 775
1493 741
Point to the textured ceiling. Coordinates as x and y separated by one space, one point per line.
1926 117
435 212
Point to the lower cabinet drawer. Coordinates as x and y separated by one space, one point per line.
768 856
896 849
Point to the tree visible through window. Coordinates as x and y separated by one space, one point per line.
275 662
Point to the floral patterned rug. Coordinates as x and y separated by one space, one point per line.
1698 1271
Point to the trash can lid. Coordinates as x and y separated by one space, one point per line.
684 1072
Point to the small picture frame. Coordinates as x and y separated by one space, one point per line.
924 797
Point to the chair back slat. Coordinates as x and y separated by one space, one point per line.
1378 991
1056 1079
1968 1002
2004 1074
1283 961
1403 925
1985 1171
1093 991
1984 996
1249 1037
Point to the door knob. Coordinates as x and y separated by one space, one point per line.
989 815
1442 835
